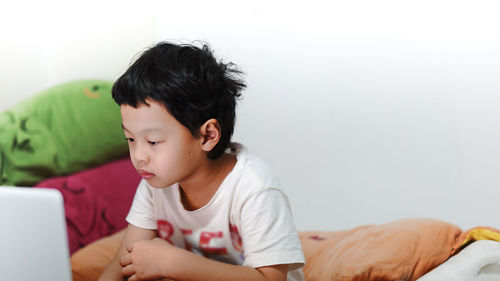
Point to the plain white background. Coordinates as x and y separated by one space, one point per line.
368 111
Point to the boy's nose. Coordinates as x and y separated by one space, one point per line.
140 154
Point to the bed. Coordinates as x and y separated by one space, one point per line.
49 141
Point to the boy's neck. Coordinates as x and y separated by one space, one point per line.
199 190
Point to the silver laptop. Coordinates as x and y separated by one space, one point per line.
33 237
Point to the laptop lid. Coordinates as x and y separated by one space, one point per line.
33 237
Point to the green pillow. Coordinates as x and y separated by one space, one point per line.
65 129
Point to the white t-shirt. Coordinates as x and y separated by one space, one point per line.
247 222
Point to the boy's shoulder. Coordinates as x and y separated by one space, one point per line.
250 171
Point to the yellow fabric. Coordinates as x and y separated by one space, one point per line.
481 234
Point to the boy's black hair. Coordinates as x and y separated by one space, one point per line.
192 85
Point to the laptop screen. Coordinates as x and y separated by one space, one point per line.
33 237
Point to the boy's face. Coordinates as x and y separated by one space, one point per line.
162 150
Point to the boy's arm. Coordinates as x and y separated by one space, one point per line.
113 270
156 258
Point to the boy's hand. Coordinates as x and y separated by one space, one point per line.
156 259
145 259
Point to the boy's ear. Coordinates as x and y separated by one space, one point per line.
210 133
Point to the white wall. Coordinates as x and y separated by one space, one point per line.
368 111
44 43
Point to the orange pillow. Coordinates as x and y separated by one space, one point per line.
400 250
89 262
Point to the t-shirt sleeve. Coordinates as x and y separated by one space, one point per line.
268 232
141 213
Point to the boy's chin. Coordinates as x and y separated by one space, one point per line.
157 184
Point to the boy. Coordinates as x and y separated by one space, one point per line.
199 213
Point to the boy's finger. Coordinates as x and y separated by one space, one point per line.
125 260
130 246
128 270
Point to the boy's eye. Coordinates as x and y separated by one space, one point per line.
152 142
129 139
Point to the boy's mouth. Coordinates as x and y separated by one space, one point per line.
145 175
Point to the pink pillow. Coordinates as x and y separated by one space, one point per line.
96 201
